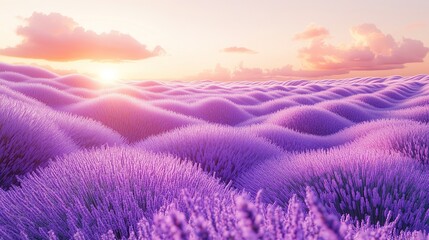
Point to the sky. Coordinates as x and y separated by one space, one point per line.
219 40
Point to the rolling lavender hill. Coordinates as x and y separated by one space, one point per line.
322 159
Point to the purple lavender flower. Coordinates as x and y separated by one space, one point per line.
225 151
93 191
359 183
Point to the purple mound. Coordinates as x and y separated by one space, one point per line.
46 94
29 71
373 100
7 92
224 151
27 140
79 81
412 140
13 77
349 111
287 139
85 132
211 110
311 120
131 118
270 106
419 113
217 110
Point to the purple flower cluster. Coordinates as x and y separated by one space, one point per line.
93 191
411 140
224 151
349 181
27 140
219 218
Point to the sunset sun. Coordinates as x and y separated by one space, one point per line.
108 75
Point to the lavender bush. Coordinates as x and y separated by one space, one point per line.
86 132
243 218
46 94
224 151
208 109
311 120
27 140
94 191
349 110
288 139
412 141
131 118
359 183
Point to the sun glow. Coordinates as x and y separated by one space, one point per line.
108 75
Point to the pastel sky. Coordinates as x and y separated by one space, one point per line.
220 40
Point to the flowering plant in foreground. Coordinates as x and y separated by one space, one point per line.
349 181
243 218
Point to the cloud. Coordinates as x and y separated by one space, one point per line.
219 73
369 50
238 50
312 32
56 37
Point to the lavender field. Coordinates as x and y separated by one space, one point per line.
299 159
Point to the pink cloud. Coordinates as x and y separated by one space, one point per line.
312 32
59 38
238 50
219 73
370 49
